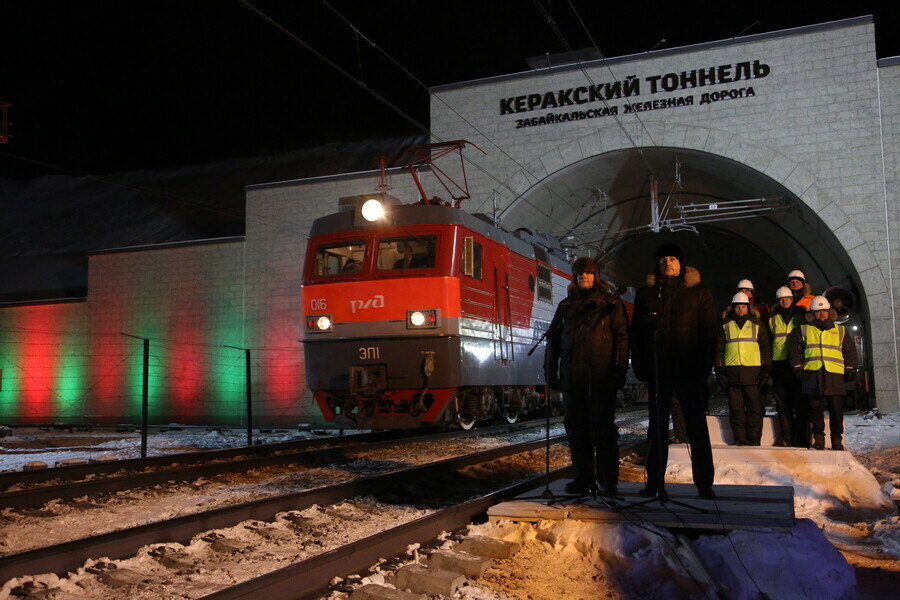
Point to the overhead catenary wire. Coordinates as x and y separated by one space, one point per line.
280 223
386 102
438 98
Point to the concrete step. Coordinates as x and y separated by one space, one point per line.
720 430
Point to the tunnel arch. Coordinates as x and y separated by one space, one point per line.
612 166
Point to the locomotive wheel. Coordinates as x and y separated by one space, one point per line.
465 422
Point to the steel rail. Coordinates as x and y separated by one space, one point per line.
67 556
75 472
310 578
281 455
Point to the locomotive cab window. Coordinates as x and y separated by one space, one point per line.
410 252
343 257
471 258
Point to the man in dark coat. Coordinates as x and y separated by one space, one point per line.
823 356
587 356
673 338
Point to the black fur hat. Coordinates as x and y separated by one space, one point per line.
585 264
670 250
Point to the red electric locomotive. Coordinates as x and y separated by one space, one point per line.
426 315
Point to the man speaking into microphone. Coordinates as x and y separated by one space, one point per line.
587 356
673 339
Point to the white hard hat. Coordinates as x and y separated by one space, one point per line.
795 274
783 292
745 284
819 303
740 298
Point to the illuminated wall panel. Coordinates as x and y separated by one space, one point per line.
186 301
43 359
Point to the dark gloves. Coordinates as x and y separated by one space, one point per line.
798 373
720 376
763 376
849 376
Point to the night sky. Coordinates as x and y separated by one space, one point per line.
109 86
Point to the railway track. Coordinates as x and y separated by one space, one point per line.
36 488
69 556
286 508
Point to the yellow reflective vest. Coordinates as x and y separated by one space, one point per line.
823 348
781 329
742 344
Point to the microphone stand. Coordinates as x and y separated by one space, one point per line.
547 494
593 419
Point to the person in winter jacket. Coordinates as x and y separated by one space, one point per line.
587 356
743 361
673 337
756 303
792 415
796 282
824 358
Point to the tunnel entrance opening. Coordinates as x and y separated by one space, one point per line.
732 221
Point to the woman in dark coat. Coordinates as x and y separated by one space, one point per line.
673 336
743 362
587 356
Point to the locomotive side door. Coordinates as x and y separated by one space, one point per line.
484 294
499 262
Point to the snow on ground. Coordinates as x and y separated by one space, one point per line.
52 445
845 504
840 504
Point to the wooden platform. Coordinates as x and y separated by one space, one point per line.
735 507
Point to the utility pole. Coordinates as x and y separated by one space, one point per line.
249 393
145 396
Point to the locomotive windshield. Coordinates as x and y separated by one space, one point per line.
344 257
409 252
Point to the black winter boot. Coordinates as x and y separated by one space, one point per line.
836 444
819 442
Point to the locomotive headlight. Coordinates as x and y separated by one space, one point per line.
372 210
318 323
422 319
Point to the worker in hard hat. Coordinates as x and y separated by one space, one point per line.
756 303
824 359
796 282
792 416
743 360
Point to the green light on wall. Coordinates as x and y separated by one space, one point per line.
9 384
229 364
